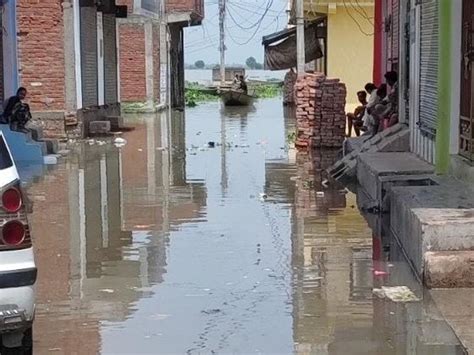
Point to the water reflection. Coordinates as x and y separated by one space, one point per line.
171 246
104 220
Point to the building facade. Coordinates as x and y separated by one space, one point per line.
64 54
350 40
79 59
433 41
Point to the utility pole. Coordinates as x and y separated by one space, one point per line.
300 41
222 39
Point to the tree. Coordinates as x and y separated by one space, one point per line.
200 64
251 62
259 66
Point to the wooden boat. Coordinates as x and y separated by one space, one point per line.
236 98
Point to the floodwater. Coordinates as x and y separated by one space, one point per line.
168 246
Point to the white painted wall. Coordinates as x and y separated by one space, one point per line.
77 52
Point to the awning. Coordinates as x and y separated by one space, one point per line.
280 47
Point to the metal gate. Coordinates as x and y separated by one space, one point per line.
429 56
110 59
90 96
392 34
466 132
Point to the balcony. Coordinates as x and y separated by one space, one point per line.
190 11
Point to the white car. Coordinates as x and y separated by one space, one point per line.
17 265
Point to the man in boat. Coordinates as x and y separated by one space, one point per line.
355 119
243 84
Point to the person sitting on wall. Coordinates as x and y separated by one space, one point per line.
386 112
355 119
374 99
16 112
372 122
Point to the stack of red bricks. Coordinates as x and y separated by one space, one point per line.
320 112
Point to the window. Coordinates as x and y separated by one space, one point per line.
5 158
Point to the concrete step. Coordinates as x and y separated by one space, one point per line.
436 218
22 148
393 139
453 269
52 145
99 128
36 133
116 122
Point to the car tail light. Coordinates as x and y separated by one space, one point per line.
14 229
11 200
13 233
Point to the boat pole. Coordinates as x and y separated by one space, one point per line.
222 39
300 41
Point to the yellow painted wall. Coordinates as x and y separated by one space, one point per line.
351 52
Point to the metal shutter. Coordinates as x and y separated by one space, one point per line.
395 34
429 54
110 59
90 94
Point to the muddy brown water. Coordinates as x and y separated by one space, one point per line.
168 246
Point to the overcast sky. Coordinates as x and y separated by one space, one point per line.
202 42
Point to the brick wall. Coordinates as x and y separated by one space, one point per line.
110 59
196 6
41 52
128 3
90 96
132 62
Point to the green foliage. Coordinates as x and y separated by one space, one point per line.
266 91
251 62
194 96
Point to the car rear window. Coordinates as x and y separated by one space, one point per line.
5 158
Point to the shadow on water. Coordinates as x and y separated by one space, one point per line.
169 246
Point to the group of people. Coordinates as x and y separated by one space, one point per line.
16 112
239 83
379 111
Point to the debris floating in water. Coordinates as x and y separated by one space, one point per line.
119 142
396 294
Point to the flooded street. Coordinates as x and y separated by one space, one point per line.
173 245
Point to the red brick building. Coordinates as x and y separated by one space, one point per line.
64 53
151 50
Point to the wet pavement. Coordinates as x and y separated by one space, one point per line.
167 245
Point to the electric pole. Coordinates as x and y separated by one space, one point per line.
222 39
300 41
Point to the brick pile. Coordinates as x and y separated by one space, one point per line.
289 88
320 112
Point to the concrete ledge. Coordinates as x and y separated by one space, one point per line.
372 167
437 218
449 269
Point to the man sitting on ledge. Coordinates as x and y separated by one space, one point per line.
16 112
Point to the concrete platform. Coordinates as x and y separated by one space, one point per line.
376 171
437 218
